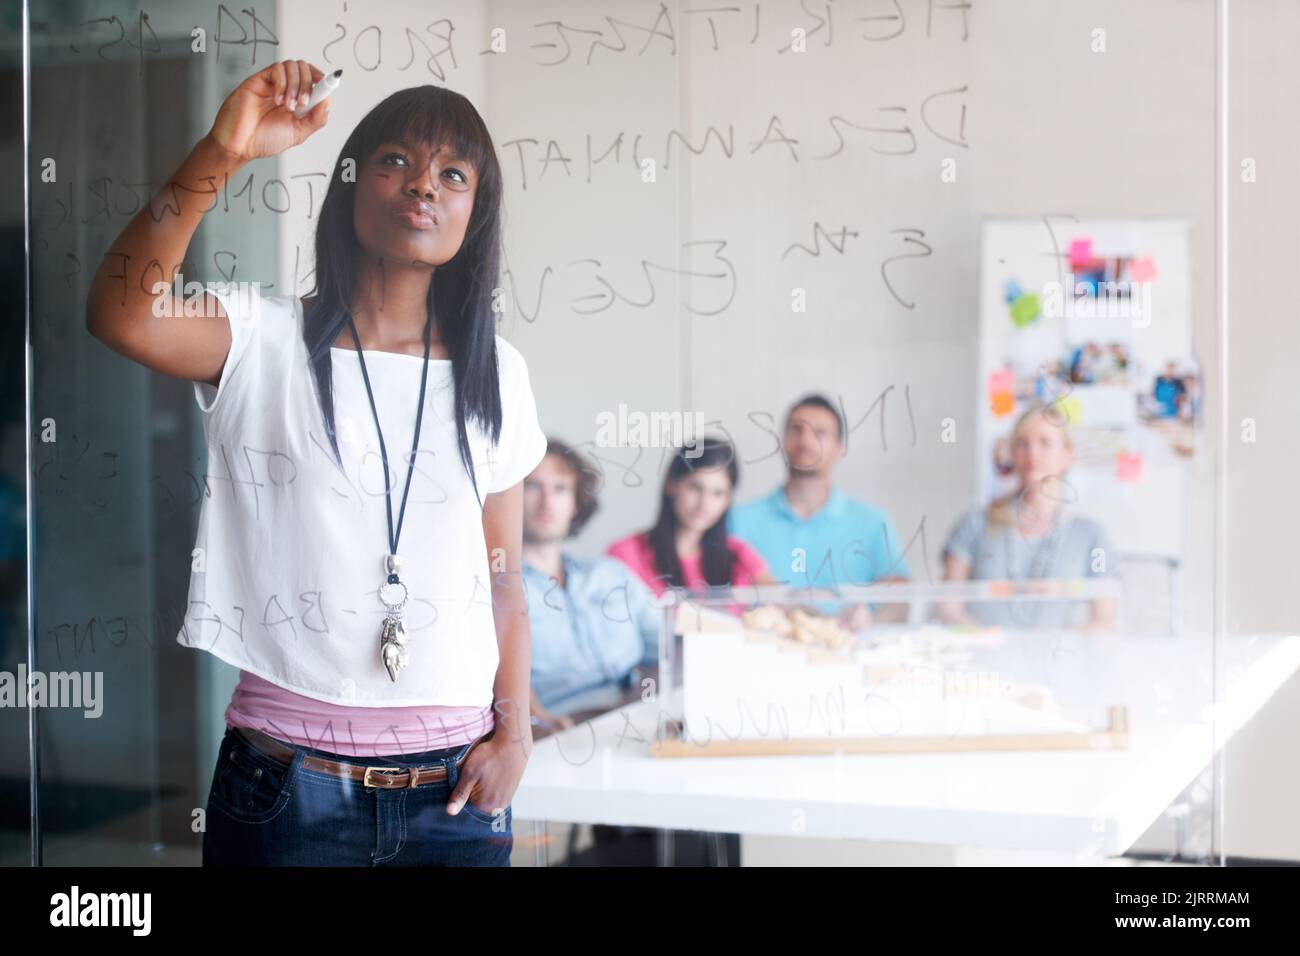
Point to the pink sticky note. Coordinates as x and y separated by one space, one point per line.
1128 466
1080 251
1002 380
1141 270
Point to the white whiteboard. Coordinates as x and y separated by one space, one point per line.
1127 472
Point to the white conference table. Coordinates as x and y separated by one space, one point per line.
1088 804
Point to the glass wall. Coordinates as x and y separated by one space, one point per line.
119 94
938 217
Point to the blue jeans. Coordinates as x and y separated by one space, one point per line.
262 812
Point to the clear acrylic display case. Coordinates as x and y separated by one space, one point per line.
1066 721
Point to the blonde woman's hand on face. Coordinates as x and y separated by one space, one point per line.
257 120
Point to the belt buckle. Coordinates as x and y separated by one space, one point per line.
365 778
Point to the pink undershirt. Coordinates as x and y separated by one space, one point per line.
351 731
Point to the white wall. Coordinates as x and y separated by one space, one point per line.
1263 522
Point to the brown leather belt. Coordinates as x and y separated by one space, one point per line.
388 778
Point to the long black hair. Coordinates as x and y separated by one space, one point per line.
716 559
460 295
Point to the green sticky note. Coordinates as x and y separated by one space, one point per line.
1025 309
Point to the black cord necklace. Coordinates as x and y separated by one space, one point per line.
392 639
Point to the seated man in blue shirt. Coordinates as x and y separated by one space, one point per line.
595 625
812 534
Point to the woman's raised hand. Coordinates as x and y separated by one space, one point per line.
257 120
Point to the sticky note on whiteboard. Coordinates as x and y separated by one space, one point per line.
1142 270
1071 408
1128 466
1002 380
1002 392
1025 309
1080 251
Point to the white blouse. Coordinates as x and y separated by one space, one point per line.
290 550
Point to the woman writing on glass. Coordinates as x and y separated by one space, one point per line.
361 545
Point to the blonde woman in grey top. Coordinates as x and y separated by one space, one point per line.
1033 532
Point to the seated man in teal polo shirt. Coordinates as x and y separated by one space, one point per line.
812 534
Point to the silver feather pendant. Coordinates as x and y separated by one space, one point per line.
392 638
392 644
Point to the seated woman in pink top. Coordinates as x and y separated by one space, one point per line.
689 547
